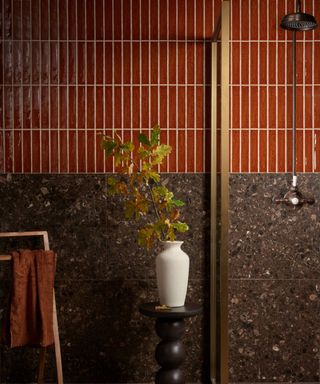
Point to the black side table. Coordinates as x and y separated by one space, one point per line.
170 327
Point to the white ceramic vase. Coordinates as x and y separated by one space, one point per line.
172 268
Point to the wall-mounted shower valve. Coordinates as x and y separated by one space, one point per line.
294 197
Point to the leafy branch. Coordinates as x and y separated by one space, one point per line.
142 191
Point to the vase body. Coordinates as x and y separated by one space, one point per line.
172 269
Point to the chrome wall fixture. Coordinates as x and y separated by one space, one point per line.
296 22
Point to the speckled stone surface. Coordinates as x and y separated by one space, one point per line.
274 285
103 276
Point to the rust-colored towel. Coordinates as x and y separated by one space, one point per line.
31 305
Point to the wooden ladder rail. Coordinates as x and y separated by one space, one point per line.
43 350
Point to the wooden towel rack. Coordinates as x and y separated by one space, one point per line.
43 350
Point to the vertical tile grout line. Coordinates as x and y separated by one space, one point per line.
95 87
168 88
304 105
49 88
113 93
186 87
259 90
277 87
204 89
231 90
249 90
21 109
86 88
68 83
195 86
313 109
268 103
240 91
104 81
58 89
131 103
177 92
77 90
3 98
286 96
40 97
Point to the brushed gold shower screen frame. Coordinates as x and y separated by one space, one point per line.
219 346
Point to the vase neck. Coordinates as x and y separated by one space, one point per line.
171 244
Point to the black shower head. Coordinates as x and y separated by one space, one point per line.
299 21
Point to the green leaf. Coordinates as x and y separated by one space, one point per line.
178 203
180 227
127 147
155 135
108 146
143 139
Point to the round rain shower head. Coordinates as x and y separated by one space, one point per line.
299 21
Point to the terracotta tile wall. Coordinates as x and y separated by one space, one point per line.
72 69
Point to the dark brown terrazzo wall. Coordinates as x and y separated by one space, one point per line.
274 286
102 276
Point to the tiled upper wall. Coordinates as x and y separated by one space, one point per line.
73 69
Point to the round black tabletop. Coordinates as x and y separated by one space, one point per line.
154 310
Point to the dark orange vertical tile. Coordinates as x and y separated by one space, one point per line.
90 20
244 23
190 107
190 150
316 102
300 112
154 62
272 63
26 146
72 107
99 155
26 64
308 63
108 107
254 63
63 69
254 22
199 20
272 151
72 20
99 108
53 27
126 108
173 155
136 19
281 107
172 107
90 63
163 107
181 107
154 13
154 115
126 63
99 63
281 151
144 19
254 151
235 107
99 4
72 73
181 79
45 151
44 20
53 107
16 19
288 135
45 62
281 12
17 61
72 151
307 6
17 108
207 106
144 63
308 107
244 150
273 103
108 12
282 63
200 107
8 163
199 63
108 62
117 108
273 20
35 107
81 151
163 19
254 118
235 142
263 63
317 64
35 19
244 57
172 20
199 151
208 19
54 63
90 107
35 151
26 20
63 21
263 107
163 75
245 107
235 20
145 107
63 151
26 107
44 107
2 159
7 65
172 63
63 107
263 150
181 151
81 107
17 147
81 20
54 151
263 20
299 153
300 60
136 107
308 151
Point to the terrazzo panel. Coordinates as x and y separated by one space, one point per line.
274 281
102 277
